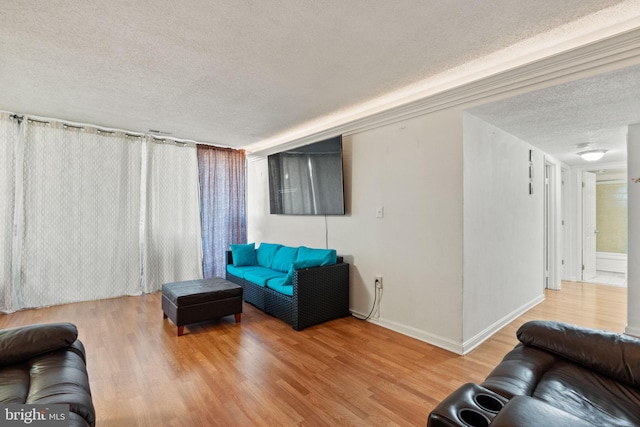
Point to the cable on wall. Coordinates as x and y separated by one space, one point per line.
326 233
376 289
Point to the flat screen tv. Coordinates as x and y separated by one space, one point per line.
307 180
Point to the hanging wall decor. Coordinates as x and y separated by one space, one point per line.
530 172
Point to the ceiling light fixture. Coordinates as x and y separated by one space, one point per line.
592 155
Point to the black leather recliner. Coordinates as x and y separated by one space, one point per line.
45 364
558 375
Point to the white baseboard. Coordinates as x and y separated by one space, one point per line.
630 330
472 343
609 261
450 345
438 341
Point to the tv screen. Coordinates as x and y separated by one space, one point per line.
307 180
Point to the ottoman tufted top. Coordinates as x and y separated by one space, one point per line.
202 290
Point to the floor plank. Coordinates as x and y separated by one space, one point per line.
262 372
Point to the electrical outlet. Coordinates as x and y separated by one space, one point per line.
378 282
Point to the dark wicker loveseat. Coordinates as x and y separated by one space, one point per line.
320 294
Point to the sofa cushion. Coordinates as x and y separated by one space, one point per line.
524 411
22 343
262 275
327 256
244 254
277 284
297 265
266 252
614 355
240 271
586 394
284 258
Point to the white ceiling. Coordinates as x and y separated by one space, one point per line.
238 72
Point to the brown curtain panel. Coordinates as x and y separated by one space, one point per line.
222 205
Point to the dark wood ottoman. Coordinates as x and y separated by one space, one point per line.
198 300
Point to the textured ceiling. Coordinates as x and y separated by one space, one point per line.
237 72
557 119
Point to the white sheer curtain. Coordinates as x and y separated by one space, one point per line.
81 215
88 214
9 129
172 245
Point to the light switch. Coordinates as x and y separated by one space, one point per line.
379 211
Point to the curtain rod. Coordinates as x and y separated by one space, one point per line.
30 120
128 134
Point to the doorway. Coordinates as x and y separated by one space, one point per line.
604 227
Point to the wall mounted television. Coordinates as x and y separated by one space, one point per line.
307 180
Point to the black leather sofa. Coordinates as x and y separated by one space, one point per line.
558 375
320 294
45 365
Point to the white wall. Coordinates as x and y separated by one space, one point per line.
413 169
633 254
503 229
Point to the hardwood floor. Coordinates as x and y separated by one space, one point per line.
262 372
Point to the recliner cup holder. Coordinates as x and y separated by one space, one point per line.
473 418
488 403
471 405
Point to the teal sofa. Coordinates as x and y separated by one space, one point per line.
299 285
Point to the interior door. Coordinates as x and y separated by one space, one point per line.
589 226
566 236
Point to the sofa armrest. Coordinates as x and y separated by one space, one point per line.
78 348
321 293
326 278
229 258
469 405
613 355
474 405
519 371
